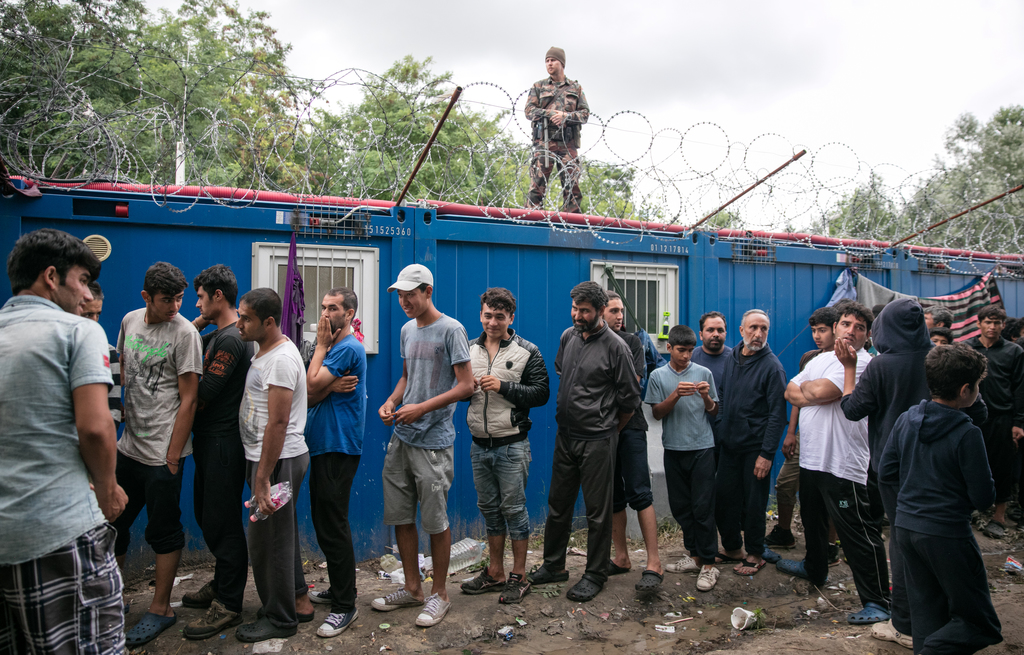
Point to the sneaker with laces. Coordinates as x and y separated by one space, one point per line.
217 619
433 611
200 599
684 565
319 597
515 588
336 623
884 631
396 601
780 538
707 578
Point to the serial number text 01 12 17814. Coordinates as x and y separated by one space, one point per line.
669 249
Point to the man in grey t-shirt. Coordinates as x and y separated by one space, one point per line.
161 360
57 568
420 465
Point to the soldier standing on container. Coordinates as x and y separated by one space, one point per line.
556 108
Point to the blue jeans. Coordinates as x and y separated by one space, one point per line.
500 475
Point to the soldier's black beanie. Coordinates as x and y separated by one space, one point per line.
556 53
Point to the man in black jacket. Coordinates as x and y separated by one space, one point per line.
597 394
1002 389
509 377
754 407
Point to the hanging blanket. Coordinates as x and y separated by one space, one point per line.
964 304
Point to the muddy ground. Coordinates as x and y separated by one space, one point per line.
619 620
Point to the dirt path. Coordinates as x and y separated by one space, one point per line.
618 621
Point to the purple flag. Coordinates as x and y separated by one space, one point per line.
293 300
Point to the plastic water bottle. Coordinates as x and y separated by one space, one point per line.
466 553
280 494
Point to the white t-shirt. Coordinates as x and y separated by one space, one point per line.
829 442
280 367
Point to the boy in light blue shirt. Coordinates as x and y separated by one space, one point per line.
683 396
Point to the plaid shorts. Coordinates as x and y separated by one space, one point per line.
67 601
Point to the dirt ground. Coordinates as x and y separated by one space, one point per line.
619 620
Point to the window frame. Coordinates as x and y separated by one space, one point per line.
667 276
365 263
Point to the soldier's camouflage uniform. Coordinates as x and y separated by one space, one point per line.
545 98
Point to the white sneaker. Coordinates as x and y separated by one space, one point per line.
684 565
707 579
434 611
885 632
395 601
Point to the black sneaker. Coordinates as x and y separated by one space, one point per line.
833 554
780 538
515 588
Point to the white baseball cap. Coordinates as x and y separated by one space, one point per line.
411 277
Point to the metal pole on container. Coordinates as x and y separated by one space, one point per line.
426 149
955 216
179 161
749 189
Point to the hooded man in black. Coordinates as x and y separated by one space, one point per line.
754 421
892 383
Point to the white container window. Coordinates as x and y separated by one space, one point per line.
648 289
323 268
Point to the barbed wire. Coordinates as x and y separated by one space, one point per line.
84 110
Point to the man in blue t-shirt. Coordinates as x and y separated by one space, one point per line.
336 392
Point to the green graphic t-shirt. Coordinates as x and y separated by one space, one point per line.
152 358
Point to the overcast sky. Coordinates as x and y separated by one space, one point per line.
881 80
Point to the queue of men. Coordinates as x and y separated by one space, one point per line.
241 400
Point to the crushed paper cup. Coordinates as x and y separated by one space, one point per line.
742 619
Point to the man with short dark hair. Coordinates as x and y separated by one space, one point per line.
941 336
632 478
935 316
271 420
420 463
597 395
92 310
754 403
218 453
712 355
834 470
1002 388
336 393
510 378
787 484
60 588
161 359
683 394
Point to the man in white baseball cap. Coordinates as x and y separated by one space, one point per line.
420 462
412 277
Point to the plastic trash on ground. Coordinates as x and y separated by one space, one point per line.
742 619
1012 566
465 554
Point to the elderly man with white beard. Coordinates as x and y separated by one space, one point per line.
753 410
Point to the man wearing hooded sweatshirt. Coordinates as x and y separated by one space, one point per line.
754 403
892 383
936 457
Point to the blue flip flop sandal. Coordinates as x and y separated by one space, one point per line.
872 613
148 628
